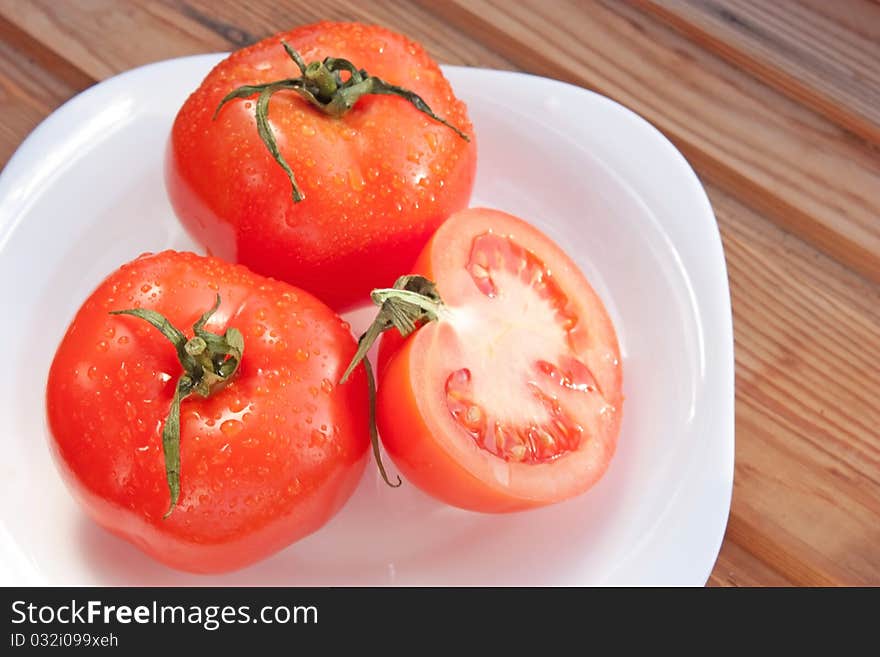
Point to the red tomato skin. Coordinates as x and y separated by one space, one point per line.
264 462
408 422
377 181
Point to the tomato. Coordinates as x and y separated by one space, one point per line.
376 181
268 457
511 398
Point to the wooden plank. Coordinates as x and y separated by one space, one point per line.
739 567
259 19
105 37
822 54
736 131
807 331
33 82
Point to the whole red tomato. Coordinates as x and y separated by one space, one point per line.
268 456
506 393
379 150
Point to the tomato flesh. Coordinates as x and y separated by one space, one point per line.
533 318
513 397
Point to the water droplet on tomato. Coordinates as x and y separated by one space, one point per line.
356 180
431 139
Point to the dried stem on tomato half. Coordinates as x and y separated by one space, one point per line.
410 303
209 362
321 84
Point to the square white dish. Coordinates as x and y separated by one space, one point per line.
85 193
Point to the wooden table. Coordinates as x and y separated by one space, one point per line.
777 106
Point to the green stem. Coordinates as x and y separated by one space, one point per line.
321 84
209 361
264 129
412 302
374 432
417 299
171 441
323 79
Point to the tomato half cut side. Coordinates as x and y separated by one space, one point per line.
512 398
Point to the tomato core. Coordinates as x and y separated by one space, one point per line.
519 319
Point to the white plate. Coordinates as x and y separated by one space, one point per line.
85 193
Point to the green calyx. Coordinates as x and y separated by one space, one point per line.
410 303
209 361
321 84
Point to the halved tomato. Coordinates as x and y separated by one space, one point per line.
511 398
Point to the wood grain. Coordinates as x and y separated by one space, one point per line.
717 114
105 37
442 40
822 54
807 340
738 567
33 82
772 103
